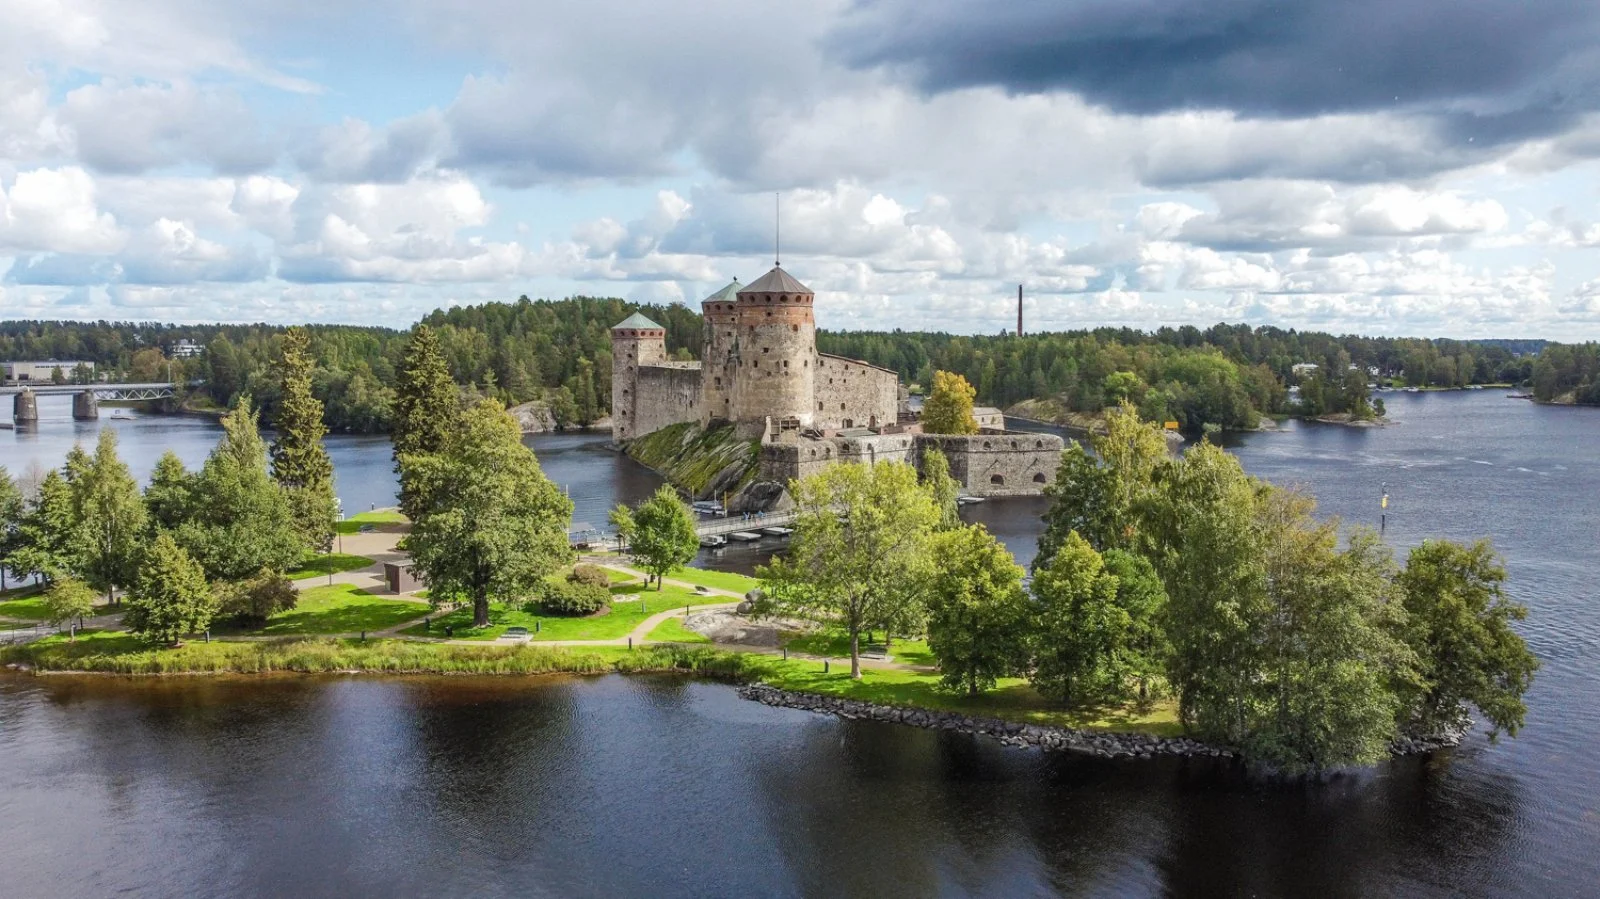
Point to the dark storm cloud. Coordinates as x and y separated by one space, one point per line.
1492 69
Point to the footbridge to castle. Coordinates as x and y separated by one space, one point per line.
86 398
583 535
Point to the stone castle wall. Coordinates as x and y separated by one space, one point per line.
717 341
664 395
1009 464
852 394
632 348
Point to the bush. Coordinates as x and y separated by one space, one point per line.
255 600
592 575
571 599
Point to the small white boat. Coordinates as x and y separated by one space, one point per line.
777 531
744 536
121 416
968 500
712 541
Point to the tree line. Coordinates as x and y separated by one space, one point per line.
192 546
1169 577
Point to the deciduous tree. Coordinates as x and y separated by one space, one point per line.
859 551
948 408
977 611
68 598
241 522
1100 497
169 497
488 525
662 534
1458 623
945 490
11 512
110 519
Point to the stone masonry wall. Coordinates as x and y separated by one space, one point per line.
853 394
664 394
777 353
1009 464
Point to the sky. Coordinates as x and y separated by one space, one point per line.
1397 167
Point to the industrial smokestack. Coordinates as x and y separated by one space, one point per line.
1019 310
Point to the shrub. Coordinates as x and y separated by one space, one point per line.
255 600
593 575
571 599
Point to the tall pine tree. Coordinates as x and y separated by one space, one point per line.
300 463
426 408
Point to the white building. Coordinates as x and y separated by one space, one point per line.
20 372
186 349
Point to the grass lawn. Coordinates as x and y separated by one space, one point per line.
323 564
377 518
673 631
339 609
1012 698
27 604
836 643
625 615
721 580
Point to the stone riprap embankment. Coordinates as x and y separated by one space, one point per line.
1012 733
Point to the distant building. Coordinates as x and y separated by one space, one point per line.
186 349
1301 369
22 372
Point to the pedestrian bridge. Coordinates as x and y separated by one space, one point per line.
85 397
712 527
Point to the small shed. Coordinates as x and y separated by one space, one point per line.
401 578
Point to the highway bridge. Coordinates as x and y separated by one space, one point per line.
85 397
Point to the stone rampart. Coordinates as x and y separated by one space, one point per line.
1007 464
853 394
664 394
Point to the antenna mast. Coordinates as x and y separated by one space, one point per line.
1019 310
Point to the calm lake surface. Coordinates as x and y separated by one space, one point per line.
667 787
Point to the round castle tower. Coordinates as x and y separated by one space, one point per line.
775 355
718 359
635 341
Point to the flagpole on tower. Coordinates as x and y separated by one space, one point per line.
777 233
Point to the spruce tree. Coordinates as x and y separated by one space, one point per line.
44 535
170 597
426 408
110 517
170 495
11 511
241 522
300 463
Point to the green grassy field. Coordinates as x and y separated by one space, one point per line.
323 564
721 580
836 643
339 609
27 604
673 631
378 518
625 615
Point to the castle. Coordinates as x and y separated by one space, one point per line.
760 372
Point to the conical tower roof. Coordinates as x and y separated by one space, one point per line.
725 295
776 281
636 321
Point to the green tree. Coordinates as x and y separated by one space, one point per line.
1082 634
110 518
1101 497
241 521
57 376
1458 623
586 403
44 536
253 601
427 408
68 598
169 497
300 463
859 549
489 526
661 535
169 598
948 408
945 490
12 509
977 612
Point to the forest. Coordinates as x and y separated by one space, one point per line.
558 352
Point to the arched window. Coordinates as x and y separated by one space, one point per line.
996 480
1039 478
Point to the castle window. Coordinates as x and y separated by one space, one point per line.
766 349
997 480
783 299
986 444
1013 444
719 382
1039 478
841 409
819 407
769 313
795 328
786 363
1038 444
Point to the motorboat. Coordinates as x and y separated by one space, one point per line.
713 541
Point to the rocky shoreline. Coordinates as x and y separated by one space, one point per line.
1103 744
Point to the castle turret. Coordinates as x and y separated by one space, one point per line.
777 354
635 341
717 354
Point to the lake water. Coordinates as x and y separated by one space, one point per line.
665 787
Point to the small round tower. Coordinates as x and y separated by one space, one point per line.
635 341
777 354
717 354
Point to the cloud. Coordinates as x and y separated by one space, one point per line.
1492 70
55 210
131 128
